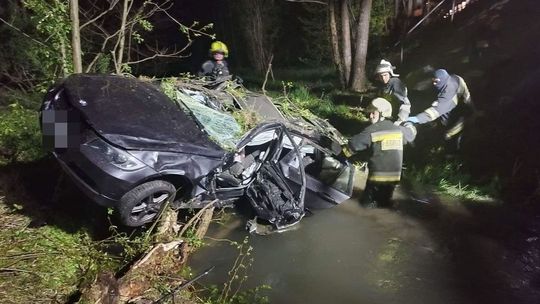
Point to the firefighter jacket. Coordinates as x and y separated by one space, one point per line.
212 69
395 91
453 94
385 141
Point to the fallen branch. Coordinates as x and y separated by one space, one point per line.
267 72
195 217
163 260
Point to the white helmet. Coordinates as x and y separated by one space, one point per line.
380 105
385 67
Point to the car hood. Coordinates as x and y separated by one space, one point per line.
136 115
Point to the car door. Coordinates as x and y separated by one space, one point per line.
329 180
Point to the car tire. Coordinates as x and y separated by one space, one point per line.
143 203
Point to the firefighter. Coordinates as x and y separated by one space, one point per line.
384 141
453 104
393 89
217 66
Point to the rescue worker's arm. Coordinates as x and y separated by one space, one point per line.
464 91
446 101
206 69
444 104
409 132
400 91
360 141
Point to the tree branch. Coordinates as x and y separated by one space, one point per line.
163 54
308 1
23 33
111 7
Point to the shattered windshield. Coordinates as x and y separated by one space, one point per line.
221 127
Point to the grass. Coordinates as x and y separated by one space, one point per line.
47 261
466 192
449 178
319 78
297 99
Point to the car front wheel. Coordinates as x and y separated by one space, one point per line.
143 203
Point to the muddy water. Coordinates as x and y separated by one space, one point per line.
347 254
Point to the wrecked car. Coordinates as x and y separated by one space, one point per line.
130 146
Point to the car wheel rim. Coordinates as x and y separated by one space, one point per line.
149 207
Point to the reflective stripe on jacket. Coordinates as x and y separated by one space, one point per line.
453 93
385 142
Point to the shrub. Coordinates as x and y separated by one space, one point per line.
20 138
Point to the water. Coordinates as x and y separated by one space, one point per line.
346 254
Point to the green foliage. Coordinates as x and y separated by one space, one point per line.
54 263
52 22
20 136
146 25
246 119
316 78
299 101
316 35
168 86
28 56
46 260
190 236
103 64
28 100
381 12
449 179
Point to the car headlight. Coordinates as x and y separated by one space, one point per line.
119 158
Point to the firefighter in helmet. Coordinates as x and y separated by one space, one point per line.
217 66
384 140
393 89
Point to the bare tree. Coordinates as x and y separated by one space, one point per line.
256 32
351 42
334 39
123 43
346 40
358 76
75 36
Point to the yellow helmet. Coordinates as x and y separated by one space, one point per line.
219 47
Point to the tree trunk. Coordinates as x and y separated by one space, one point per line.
63 52
334 38
122 38
346 40
255 25
410 8
75 37
358 78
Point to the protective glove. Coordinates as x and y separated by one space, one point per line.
346 151
413 119
398 122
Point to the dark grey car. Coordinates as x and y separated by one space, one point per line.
128 145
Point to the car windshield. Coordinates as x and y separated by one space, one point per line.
221 127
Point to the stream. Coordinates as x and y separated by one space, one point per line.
420 253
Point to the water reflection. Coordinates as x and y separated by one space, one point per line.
342 255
